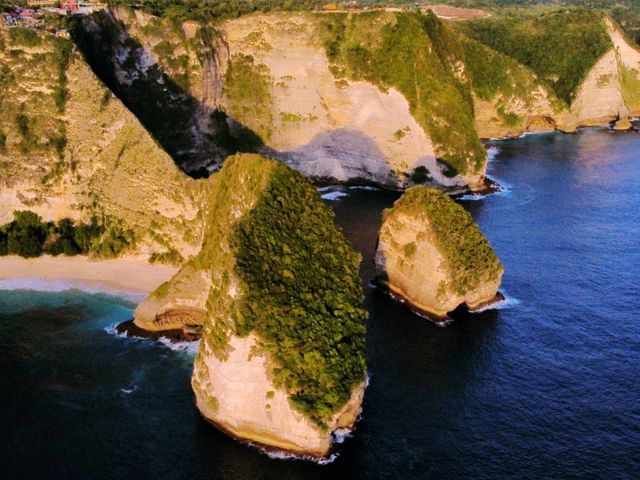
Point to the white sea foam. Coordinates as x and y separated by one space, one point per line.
111 330
341 434
281 455
492 153
508 302
363 187
472 197
186 347
128 391
328 188
63 285
335 195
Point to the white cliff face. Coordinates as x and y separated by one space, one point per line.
237 394
416 276
628 57
324 128
414 265
611 91
599 98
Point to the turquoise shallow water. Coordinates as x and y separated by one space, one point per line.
548 386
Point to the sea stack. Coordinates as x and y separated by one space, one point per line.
432 255
277 292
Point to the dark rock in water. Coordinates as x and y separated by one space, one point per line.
482 306
175 335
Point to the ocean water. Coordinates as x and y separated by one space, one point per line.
546 386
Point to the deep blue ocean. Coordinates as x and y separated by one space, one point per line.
546 386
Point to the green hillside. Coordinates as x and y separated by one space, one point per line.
560 47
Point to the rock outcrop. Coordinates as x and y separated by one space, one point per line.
432 255
71 149
276 293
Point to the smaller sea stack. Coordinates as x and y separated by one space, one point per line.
432 255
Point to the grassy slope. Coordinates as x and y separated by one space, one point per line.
63 133
247 90
299 287
32 97
485 72
560 47
398 51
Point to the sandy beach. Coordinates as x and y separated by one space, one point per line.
134 275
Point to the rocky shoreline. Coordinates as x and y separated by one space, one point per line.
174 335
435 317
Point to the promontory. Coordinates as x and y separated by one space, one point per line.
277 292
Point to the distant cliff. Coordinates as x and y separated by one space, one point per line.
281 91
394 99
577 70
388 98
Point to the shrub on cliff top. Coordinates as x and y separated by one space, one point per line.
304 296
29 236
24 36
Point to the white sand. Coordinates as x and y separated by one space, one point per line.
134 275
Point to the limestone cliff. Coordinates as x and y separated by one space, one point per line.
70 149
388 98
323 125
431 254
608 91
276 293
269 78
168 76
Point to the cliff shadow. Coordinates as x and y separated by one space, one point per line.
341 154
197 136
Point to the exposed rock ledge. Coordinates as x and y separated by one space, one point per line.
244 409
431 254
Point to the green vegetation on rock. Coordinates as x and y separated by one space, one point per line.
25 37
181 10
408 51
630 83
31 117
560 47
29 236
62 56
248 89
284 271
469 255
303 297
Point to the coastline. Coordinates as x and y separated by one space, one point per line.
439 318
120 275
